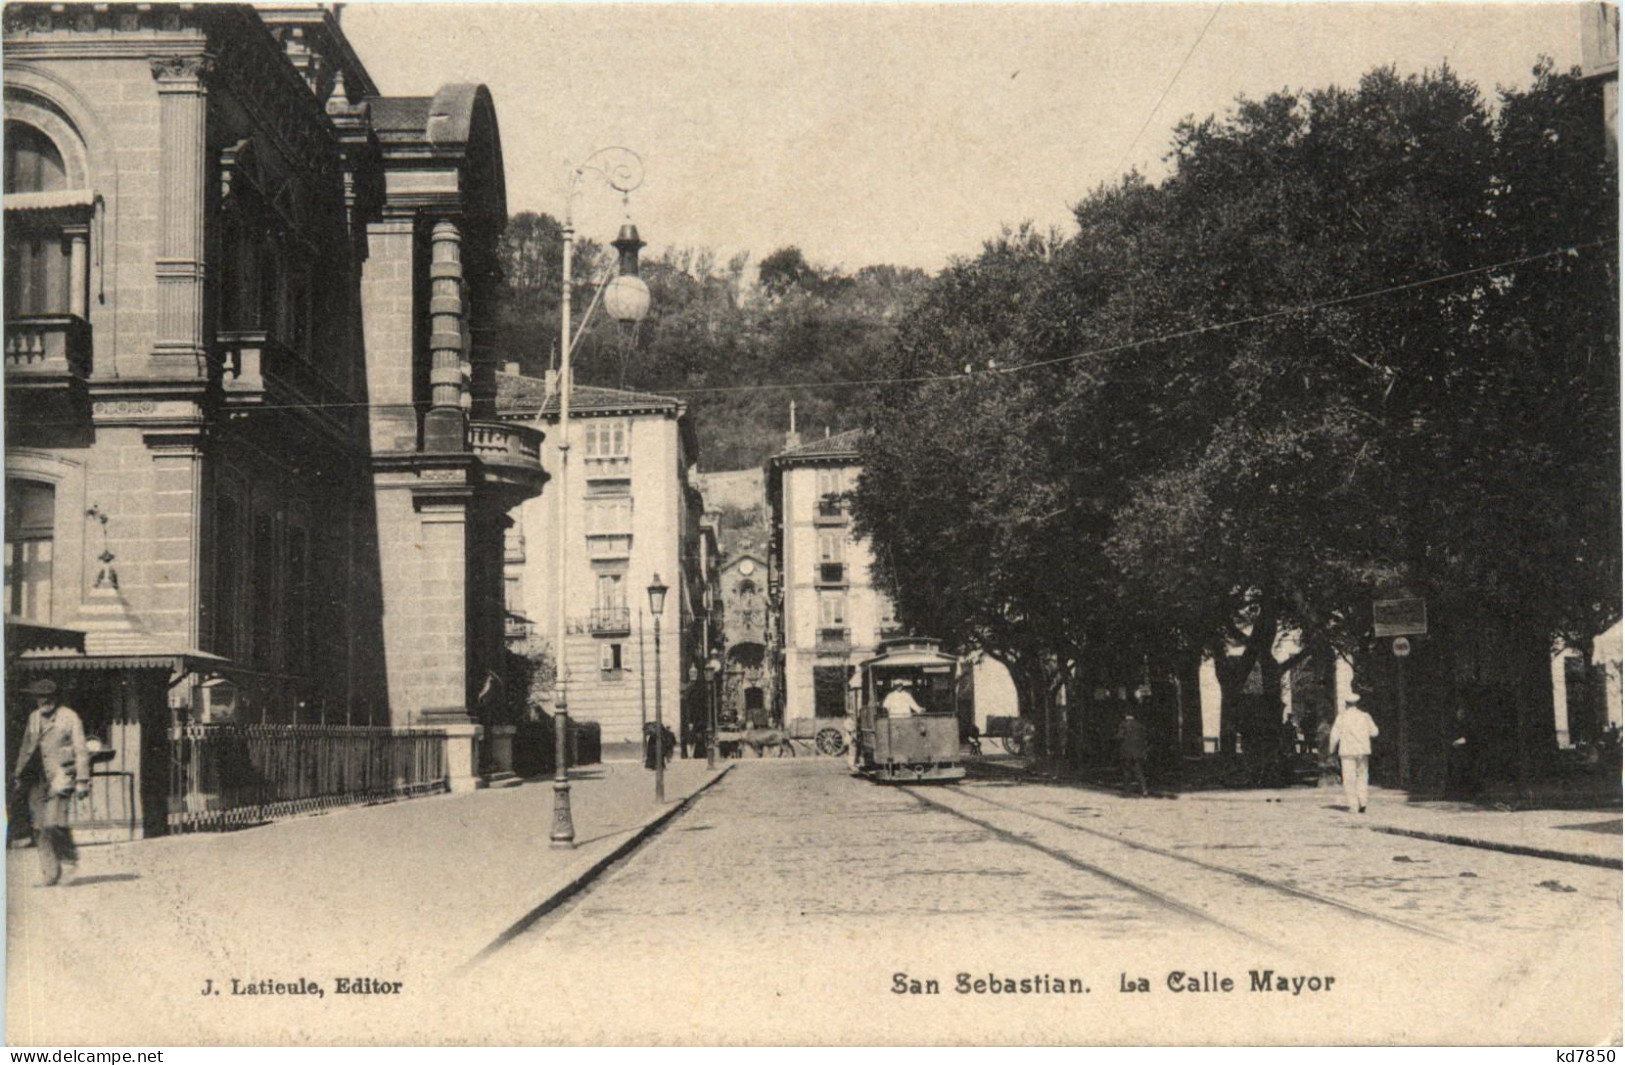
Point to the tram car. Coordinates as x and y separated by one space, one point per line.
908 714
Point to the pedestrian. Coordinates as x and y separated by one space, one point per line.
668 744
53 749
1351 737
1131 751
650 744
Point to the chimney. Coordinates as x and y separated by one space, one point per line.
792 438
511 368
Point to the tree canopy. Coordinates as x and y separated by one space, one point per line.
1358 339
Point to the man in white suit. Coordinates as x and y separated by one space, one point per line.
1350 740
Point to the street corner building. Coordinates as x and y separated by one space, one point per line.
256 488
634 513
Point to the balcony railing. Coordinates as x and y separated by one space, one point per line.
831 573
45 350
510 453
831 511
610 619
834 641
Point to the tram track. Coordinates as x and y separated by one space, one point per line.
1240 874
1173 863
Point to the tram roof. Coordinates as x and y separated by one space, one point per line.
910 651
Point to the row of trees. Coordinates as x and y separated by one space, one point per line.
1359 340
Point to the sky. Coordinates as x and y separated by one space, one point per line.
895 133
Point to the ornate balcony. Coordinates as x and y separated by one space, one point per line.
610 620
510 455
46 351
257 369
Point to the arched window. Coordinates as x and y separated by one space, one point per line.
33 162
46 228
747 587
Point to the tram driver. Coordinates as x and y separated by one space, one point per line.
899 702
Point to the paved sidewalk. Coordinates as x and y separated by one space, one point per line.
406 891
1590 837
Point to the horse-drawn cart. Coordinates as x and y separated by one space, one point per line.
1014 733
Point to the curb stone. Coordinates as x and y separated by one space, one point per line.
1507 848
587 876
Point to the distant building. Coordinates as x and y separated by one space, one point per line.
633 514
747 682
250 443
829 617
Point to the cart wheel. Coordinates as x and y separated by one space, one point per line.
831 742
1020 738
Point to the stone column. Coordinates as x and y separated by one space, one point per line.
182 109
443 426
78 280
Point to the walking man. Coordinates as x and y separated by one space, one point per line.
1131 751
56 738
1351 737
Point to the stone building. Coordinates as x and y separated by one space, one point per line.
747 679
830 617
250 433
633 514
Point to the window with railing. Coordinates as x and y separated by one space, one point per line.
831 489
611 619
47 241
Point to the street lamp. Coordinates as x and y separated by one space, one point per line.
713 669
622 170
657 602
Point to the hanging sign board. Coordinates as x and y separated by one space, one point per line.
1399 617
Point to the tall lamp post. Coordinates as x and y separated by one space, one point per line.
627 298
657 602
713 670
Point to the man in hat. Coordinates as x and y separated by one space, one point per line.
1132 746
1350 740
56 737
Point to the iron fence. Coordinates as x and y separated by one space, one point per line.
228 776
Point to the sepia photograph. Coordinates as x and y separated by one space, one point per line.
812 524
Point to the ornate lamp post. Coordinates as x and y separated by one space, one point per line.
627 298
657 603
713 671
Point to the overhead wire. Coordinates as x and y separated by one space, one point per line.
1078 356
1167 89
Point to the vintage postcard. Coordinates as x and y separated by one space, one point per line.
832 524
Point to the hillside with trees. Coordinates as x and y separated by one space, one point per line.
715 330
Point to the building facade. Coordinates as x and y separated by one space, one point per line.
747 680
829 616
632 515
250 436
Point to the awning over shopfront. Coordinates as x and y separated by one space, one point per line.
191 661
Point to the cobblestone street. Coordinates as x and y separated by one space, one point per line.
784 903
